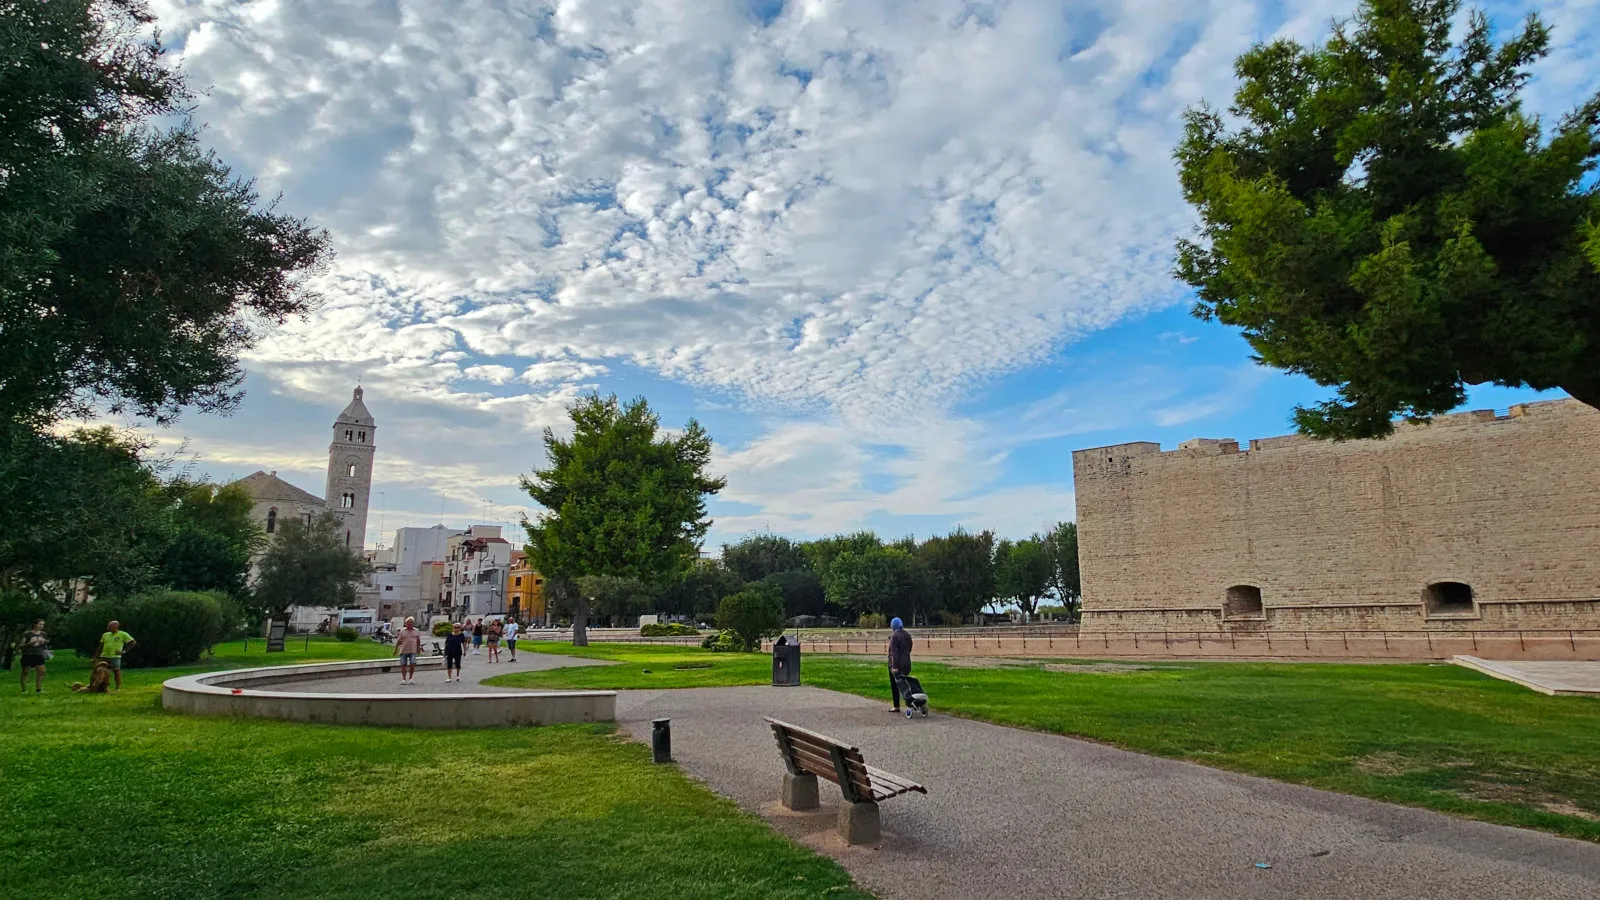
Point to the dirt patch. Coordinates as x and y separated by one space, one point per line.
1389 763
1522 795
1097 668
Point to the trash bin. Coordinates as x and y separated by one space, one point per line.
785 662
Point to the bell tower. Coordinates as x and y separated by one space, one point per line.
350 470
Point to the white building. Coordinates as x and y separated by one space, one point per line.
400 579
476 565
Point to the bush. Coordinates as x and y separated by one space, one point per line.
442 629
673 629
752 614
169 627
721 642
345 633
874 620
951 619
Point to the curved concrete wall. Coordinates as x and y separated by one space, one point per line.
239 693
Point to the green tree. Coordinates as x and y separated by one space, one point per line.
821 553
619 499
614 597
759 555
1065 578
81 506
801 591
214 539
876 580
960 570
700 590
1023 570
306 565
754 613
1386 219
133 266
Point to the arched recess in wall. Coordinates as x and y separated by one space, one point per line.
1243 601
1449 598
272 520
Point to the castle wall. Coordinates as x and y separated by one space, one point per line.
1348 536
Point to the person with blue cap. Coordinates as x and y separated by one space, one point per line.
899 658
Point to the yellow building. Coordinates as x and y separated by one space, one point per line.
525 591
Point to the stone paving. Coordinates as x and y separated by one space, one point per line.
473 670
1555 678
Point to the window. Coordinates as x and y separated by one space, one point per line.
1243 602
519 581
349 434
350 470
272 520
306 518
1448 598
363 437
348 501
538 581
388 587
347 537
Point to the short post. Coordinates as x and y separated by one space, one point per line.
661 740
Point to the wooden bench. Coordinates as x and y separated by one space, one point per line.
808 755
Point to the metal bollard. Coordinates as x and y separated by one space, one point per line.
661 740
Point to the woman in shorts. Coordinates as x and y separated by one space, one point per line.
35 647
494 641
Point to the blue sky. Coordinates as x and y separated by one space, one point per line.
900 258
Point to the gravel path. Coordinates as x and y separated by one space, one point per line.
1012 813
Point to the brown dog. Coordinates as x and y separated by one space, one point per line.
99 679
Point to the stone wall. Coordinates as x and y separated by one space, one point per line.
1350 536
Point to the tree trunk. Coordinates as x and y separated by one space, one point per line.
580 622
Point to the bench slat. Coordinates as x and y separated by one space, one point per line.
827 758
885 785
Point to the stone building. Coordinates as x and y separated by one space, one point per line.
1475 521
348 485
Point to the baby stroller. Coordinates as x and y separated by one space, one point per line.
916 699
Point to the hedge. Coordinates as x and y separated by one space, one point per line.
168 627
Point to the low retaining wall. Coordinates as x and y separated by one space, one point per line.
1410 645
243 692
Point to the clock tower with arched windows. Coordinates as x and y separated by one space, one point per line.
350 470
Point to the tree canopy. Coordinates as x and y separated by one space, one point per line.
619 498
1381 215
759 555
1024 571
307 565
133 266
753 613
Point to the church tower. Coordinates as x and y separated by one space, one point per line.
350 470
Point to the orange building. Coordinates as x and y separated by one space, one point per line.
524 591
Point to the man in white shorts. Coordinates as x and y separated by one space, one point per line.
407 644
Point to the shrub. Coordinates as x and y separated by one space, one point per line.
874 620
673 629
168 627
951 619
752 614
721 642
345 633
441 629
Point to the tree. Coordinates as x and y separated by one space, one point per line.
801 591
1023 571
961 570
754 613
821 553
615 597
1065 579
214 539
700 590
1386 219
760 555
619 499
133 265
307 565
871 581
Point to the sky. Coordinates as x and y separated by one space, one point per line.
899 258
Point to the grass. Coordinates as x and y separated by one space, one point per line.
1434 736
112 797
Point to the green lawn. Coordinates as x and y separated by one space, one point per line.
1435 736
109 796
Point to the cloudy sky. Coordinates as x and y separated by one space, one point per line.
900 258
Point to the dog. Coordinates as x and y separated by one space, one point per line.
99 679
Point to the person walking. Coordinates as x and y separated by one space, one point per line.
407 645
899 658
112 643
454 644
494 641
511 637
477 637
35 650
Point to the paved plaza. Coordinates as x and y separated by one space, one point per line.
1554 678
1013 813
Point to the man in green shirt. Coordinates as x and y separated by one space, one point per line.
112 643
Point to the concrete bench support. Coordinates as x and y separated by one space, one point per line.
799 791
858 823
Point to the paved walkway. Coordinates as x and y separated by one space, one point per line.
1563 678
1012 813
431 681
